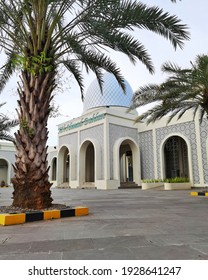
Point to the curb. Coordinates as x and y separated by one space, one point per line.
199 193
21 218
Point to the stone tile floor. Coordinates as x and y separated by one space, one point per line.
122 224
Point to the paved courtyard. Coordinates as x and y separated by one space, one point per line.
122 224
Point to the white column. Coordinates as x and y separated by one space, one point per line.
199 151
106 151
155 152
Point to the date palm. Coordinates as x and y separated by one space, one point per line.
41 35
184 89
5 126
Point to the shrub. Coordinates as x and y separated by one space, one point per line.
176 180
152 180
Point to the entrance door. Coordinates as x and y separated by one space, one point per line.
176 158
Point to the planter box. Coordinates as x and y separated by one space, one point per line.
147 186
177 186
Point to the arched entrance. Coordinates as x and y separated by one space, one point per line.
64 166
54 169
176 157
126 163
87 164
4 171
90 163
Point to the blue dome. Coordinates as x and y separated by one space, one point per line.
112 94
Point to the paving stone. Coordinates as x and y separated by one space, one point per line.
38 256
100 254
173 252
122 224
61 245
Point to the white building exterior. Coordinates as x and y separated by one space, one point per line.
105 149
7 158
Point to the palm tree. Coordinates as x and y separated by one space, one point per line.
184 89
5 126
41 35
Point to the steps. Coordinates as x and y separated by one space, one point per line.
64 186
87 185
129 185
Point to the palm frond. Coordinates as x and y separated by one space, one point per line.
94 61
6 125
154 19
6 71
184 89
125 43
6 137
97 24
74 68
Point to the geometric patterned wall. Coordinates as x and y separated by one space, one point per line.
187 129
69 139
204 134
147 154
96 132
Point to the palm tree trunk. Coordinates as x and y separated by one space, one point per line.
31 184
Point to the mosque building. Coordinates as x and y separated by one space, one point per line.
105 148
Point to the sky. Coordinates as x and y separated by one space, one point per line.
192 13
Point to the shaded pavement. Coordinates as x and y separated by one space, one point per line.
122 224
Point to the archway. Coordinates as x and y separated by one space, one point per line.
87 165
4 171
126 163
176 157
54 169
90 163
64 165
126 160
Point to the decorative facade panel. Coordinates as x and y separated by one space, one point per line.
147 154
69 139
96 132
204 135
